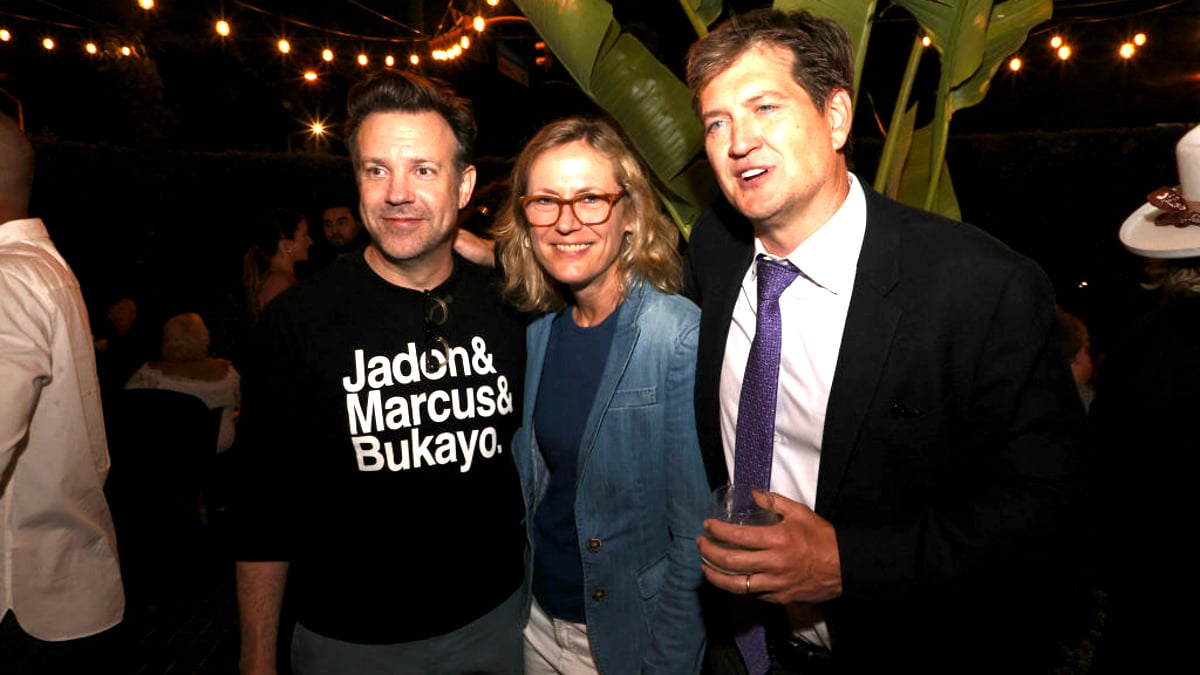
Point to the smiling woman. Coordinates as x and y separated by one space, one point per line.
607 452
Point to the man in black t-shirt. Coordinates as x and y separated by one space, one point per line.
378 406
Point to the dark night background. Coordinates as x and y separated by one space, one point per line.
197 91
148 166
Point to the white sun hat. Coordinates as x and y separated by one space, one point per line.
1168 225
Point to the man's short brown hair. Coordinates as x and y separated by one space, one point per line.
823 59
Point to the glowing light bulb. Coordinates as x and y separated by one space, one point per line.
1056 41
439 54
317 128
926 41
456 50
146 4
1015 64
1064 53
91 48
389 60
362 59
48 43
126 51
414 59
1127 50
1139 39
478 24
327 54
223 28
493 3
284 46
5 35
310 75
465 42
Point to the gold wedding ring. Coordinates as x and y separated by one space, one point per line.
748 583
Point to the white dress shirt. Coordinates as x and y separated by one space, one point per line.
58 552
813 314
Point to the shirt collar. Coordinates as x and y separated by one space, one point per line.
22 230
829 256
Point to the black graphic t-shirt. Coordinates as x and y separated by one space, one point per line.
385 478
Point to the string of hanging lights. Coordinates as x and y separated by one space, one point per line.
459 30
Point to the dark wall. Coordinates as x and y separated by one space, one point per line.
169 227
1060 198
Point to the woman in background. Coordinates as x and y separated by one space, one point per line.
269 266
608 456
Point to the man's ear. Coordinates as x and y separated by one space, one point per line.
466 186
839 112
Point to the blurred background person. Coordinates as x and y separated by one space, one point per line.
61 596
121 342
341 232
1077 346
1144 417
342 229
608 456
280 240
187 367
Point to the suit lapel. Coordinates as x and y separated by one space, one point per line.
725 261
870 327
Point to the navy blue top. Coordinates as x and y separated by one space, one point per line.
575 359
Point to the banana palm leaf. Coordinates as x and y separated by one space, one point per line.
971 51
914 179
856 16
958 29
702 13
1007 30
896 151
899 135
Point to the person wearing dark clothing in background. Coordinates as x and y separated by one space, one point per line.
1144 415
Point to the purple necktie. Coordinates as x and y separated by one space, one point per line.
756 432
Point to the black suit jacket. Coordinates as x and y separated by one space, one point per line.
951 456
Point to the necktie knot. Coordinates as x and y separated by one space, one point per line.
774 276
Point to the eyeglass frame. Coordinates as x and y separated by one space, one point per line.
611 197
435 314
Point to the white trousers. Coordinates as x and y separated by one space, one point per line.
556 647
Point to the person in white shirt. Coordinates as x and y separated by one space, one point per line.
188 368
61 594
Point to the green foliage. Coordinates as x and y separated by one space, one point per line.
972 37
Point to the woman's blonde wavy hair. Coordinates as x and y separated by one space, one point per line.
649 252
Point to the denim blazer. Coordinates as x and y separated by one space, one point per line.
642 491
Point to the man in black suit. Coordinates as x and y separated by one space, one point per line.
927 437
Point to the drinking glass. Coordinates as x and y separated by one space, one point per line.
735 504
